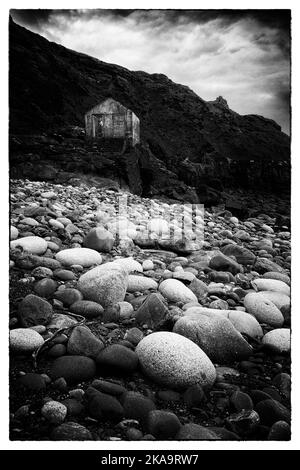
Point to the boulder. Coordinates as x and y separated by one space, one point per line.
24 340
87 309
105 284
279 340
82 342
152 312
34 310
215 335
140 283
174 361
242 254
74 369
273 285
117 358
263 309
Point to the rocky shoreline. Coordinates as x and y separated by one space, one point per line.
120 332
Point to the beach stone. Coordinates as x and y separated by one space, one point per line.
74 407
279 276
241 401
174 361
215 335
280 431
273 285
83 256
87 309
243 423
278 299
54 412
263 309
83 342
283 383
152 312
99 239
59 320
199 288
32 381
168 396
34 310
71 432
245 323
224 434
125 310
74 369
134 336
271 411
64 275
68 296
117 358
110 388
176 291
45 287
193 396
242 254
32 244
137 406
162 424
41 272
57 350
220 262
103 406
263 265
279 340
129 264
14 232
148 265
105 284
140 283
56 224
195 432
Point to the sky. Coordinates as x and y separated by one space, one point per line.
242 55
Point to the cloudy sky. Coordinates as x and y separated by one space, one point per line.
241 55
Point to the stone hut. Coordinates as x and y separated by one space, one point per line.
111 120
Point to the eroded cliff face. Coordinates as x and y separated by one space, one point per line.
186 142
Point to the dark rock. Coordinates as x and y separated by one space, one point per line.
221 262
136 406
83 342
32 381
224 434
103 406
45 287
87 308
117 358
108 387
34 310
152 312
199 288
193 396
241 401
57 350
272 392
162 424
71 432
68 296
64 275
242 254
74 369
195 432
134 336
263 265
99 239
243 423
133 434
74 407
280 431
259 395
283 383
168 396
271 411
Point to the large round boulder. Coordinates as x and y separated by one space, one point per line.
174 361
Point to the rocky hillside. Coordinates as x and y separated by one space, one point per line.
199 142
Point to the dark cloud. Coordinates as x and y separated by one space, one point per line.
243 55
